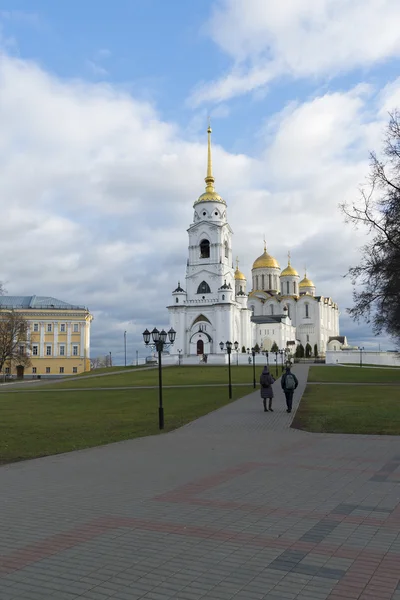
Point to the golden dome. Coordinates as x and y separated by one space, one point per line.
210 195
306 282
265 261
289 271
239 274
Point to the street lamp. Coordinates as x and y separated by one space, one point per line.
228 351
266 354
282 352
253 353
125 345
236 344
110 360
159 343
361 351
276 363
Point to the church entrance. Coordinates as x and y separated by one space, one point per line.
200 347
20 372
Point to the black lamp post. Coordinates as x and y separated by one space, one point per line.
125 345
253 353
236 344
266 354
228 351
361 351
282 353
159 343
276 363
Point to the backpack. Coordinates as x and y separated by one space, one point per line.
290 383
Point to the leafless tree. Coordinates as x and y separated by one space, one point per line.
14 340
376 299
99 362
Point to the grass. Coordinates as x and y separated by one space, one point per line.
35 424
111 370
349 409
171 376
353 375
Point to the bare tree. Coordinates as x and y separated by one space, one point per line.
14 340
98 362
378 209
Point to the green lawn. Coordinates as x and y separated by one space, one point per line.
353 375
110 369
349 409
171 376
34 424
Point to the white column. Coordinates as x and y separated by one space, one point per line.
55 338
41 343
69 325
82 345
87 340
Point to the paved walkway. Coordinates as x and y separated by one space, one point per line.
235 506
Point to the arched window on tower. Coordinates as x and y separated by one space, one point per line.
204 249
263 282
177 300
287 287
226 250
256 282
204 288
307 310
294 287
269 282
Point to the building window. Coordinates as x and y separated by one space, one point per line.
306 307
61 369
204 288
308 338
256 282
36 327
49 327
47 369
294 287
269 282
288 310
226 250
272 309
74 350
287 287
263 282
62 328
74 369
35 350
62 350
33 370
7 370
76 328
22 350
177 300
204 249
48 350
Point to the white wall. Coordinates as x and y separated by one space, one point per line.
368 358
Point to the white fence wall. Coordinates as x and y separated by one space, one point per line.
352 357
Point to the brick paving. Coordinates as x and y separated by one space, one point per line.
235 506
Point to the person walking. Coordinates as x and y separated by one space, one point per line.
289 383
266 391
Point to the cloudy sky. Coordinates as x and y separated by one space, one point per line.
103 112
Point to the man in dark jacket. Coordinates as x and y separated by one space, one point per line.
289 383
267 393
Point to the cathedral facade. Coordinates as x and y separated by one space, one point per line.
215 306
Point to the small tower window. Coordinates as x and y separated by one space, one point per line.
287 287
294 287
204 288
226 250
204 249
270 282
263 282
256 282
307 312
223 296
177 300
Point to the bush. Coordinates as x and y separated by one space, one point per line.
257 349
243 350
274 347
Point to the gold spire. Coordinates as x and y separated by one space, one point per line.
210 178
265 244
289 271
288 258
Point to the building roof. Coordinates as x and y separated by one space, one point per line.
36 302
268 319
339 338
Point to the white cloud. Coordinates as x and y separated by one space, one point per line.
298 38
96 194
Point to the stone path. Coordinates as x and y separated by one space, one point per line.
235 506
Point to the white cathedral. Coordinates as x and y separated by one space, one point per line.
215 305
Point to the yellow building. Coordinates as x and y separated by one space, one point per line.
59 335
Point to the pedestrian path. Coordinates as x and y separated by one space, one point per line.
235 506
